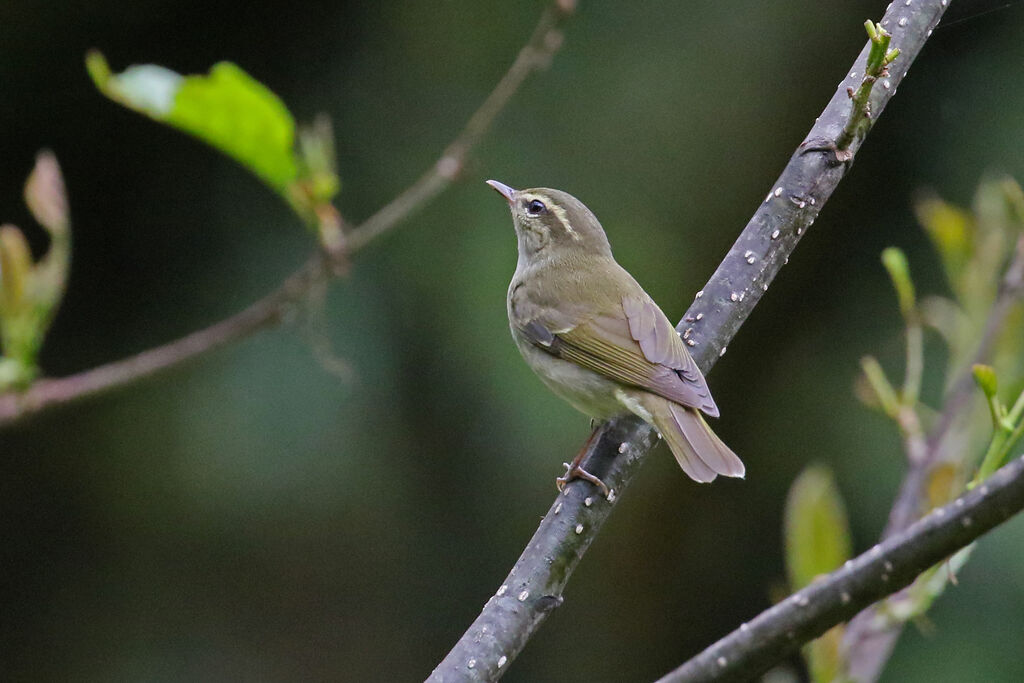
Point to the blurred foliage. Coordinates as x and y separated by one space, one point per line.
975 247
817 537
982 254
249 517
31 291
1007 423
817 533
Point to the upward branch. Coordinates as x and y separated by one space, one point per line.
535 584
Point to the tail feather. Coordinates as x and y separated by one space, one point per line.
705 443
697 449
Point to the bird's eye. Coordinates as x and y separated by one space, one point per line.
536 207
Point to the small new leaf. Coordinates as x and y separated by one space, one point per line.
879 48
895 262
46 197
30 292
985 376
15 270
881 386
872 30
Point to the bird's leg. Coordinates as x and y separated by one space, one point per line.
574 471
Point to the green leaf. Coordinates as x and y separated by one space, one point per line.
31 291
227 109
949 228
895 262
947 318
1014 195
817 534
817 538
881 390
998 205
985 377
824 656
15 270
46 197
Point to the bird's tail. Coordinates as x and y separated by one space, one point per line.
697 449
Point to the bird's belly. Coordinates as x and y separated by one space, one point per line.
587 391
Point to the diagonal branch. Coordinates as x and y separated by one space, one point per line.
536 54
888 567
535 584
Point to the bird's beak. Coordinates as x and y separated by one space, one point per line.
504 190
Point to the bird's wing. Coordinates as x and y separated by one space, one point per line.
634 344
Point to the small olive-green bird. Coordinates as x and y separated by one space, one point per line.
595 337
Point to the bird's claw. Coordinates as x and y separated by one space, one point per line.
574 471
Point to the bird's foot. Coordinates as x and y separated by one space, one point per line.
574 471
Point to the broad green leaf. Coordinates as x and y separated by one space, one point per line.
817 541
817 535
227 109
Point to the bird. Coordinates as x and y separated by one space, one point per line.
598 340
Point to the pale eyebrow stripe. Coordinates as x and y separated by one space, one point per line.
558 211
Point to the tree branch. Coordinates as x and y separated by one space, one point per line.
536 54
535 584
888 567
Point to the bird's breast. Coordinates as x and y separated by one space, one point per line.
587 391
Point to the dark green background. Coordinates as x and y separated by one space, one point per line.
249 516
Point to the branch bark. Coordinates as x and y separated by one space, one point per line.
535 54
888 567
535 584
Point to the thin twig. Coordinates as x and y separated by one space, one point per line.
907 507
265 312
536 54
535 584
542 45
888 567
